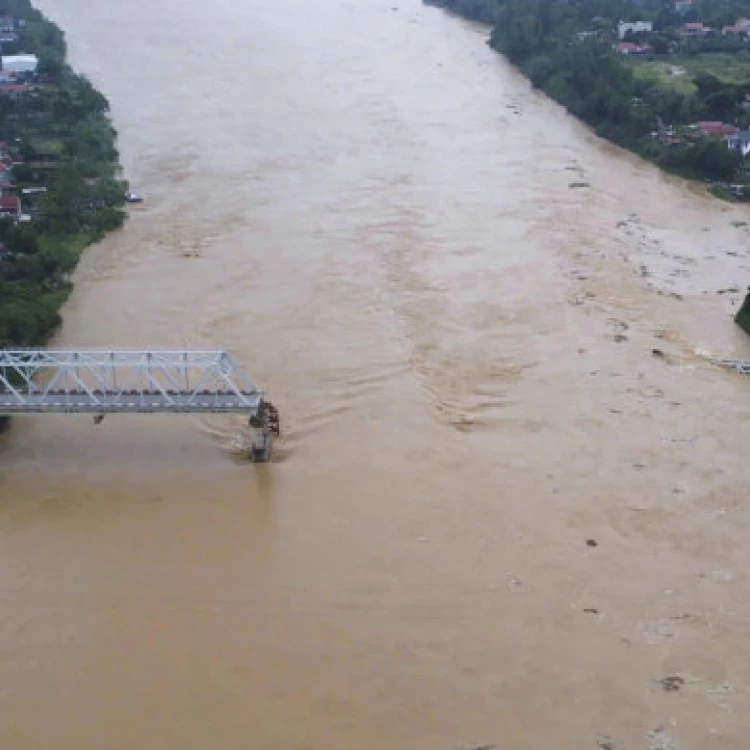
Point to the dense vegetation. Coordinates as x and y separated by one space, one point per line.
61 140
566 48
743 316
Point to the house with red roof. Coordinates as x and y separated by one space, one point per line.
693 30
10 205
716 130
741 27
13 90
631 48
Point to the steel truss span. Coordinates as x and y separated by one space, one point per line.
116 381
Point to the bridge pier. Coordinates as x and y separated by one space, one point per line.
264 424
260 451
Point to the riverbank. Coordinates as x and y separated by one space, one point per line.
572 53
60 174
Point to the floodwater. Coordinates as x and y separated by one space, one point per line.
372 211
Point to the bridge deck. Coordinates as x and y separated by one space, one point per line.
143 402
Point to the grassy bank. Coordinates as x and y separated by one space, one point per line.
681 76
59 158
60 175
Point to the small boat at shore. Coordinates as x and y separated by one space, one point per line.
132 197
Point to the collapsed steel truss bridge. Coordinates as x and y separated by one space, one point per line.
114 382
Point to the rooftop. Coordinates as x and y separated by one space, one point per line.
9 203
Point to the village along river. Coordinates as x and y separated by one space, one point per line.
496 516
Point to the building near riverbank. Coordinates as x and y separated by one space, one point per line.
633 27
716 130
740 142
20 63
631 48
10 205
741 27
695 30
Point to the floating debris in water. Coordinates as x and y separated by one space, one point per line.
672 684
660 739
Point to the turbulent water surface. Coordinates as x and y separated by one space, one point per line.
373 212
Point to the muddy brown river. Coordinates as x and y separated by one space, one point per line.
495 517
